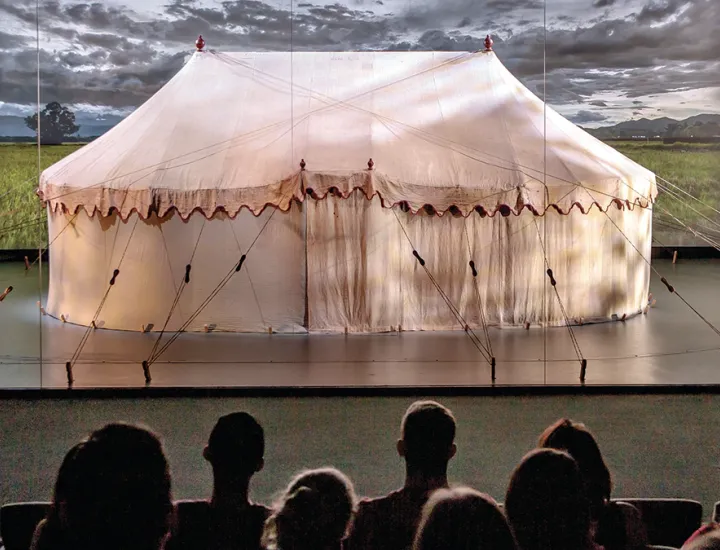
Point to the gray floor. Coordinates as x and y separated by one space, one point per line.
670 345
655 446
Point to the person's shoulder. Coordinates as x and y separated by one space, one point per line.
376 504
192 509
191 526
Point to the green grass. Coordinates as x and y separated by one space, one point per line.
22 220
694 168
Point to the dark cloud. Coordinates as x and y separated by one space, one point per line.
62 32
585 117
101 40
441 41
598 103
622 55
486 14
119 57
121 86
23 13
658 11
10 41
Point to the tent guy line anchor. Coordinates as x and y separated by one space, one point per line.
456 313
183 283
474 272
553 283
93 324
147 363
670 288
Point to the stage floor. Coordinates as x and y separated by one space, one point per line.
668 346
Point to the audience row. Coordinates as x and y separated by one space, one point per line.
113 491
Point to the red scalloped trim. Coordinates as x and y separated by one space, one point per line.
503 209
620 204
168 211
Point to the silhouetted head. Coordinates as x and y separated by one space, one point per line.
236 446
705 538
546 503
50 532
579 443
313 513
115 491
462 519
427 437
63 483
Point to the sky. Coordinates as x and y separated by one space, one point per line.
607 60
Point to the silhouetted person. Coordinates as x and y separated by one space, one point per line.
229 521
546 503
49 532
462 519
427 445
113 493
313 513
616 526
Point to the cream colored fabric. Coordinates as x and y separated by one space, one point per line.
269 291
450 134
443 129
361 273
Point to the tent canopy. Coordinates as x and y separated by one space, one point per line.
446 132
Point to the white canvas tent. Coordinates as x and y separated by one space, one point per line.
268 154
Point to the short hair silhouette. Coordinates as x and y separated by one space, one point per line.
546 503
49 533
117 492
428 433
462 519
314 512
579 443
236 444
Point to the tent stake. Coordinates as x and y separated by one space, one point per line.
146 372
69 373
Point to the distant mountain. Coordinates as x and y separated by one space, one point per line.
704 125
90 125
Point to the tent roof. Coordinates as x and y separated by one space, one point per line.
447 131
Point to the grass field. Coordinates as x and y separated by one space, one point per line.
695 168
22 220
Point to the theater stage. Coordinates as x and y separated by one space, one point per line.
668 346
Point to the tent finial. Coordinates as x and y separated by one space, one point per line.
488 43
200 43
370 164
302 164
